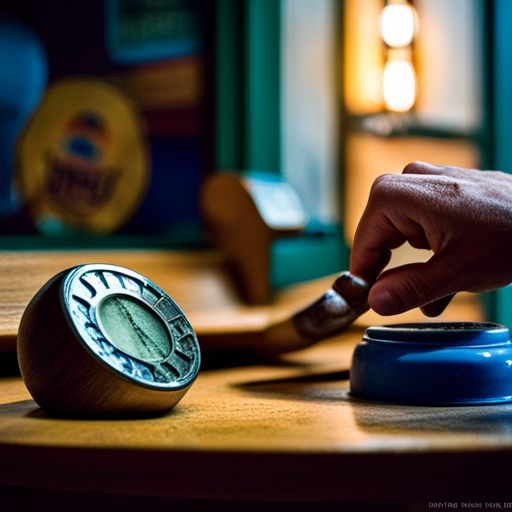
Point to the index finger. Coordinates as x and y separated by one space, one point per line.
376 235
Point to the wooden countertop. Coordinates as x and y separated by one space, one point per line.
282 431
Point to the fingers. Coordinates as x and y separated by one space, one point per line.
415 285
463 215
369 264
375 235
385 225
437 307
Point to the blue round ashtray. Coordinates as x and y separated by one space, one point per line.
445 363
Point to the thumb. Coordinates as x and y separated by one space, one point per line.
410 286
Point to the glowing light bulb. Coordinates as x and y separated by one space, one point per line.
399 85
397 24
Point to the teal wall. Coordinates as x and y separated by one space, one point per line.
500 125
247 85
248 126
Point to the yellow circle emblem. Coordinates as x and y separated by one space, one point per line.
82 163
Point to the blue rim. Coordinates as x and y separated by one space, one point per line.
435 364
440 333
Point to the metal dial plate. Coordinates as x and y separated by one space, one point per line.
144 312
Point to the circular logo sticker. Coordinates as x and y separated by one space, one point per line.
82 164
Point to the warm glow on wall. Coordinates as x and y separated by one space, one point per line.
363 56
399 85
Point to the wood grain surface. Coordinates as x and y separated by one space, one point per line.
282 431
199 281
288 432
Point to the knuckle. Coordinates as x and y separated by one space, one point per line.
412 168
382 185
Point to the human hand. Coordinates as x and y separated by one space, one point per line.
463 215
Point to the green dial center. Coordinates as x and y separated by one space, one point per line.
134 328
